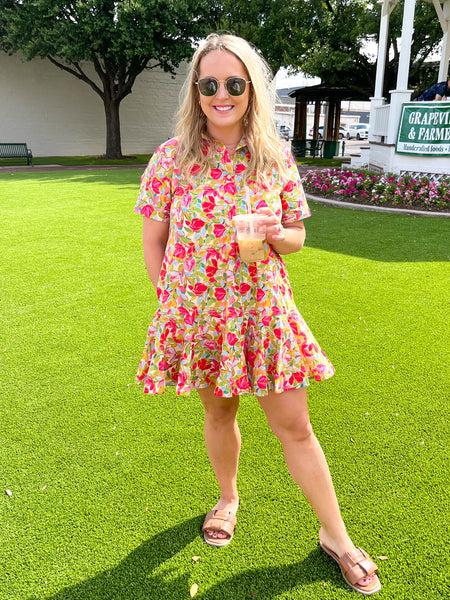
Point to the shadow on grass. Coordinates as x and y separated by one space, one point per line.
137 576
122 178
267 583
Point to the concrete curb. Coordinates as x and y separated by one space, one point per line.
382 209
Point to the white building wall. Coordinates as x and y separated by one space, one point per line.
58 115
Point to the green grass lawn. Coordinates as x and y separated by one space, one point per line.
69 161
137 159
110 487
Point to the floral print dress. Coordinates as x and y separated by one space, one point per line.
222 322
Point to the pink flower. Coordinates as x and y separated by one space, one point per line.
156 185
219 230
289 186
232 338
230 188
251 356
147 210
208 205
216 173
261 204
242 382
203 364
179 251
196 224
182 379
244 288
189 317
189 265
212 254
211 269
262 382
297 377
220 294
199 288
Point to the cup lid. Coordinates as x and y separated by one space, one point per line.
249 217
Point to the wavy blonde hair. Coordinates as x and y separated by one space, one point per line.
266 148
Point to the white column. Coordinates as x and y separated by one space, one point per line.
445 58
406 40
382 49
378 99
401 95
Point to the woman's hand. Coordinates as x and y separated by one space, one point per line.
283 239
271 226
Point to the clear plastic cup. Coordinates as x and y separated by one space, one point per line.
250 241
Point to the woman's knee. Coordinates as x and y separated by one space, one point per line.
288 416
219 410
294 430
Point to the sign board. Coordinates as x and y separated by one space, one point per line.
424 129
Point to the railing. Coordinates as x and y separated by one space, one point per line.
381 124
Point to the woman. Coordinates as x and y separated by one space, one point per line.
224 327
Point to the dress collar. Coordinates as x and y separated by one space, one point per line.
220 147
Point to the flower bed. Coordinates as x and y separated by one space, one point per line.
379 189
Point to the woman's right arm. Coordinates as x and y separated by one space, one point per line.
154 236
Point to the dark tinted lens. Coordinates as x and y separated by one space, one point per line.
235 86
208 86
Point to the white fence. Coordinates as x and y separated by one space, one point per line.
381 124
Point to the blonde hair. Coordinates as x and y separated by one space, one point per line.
265 147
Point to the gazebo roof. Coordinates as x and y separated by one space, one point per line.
325 92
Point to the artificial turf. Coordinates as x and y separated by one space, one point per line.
110 487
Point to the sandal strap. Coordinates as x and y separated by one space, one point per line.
356 565
220 520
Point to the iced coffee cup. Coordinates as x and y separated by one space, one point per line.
250 240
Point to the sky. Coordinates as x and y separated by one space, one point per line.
284 80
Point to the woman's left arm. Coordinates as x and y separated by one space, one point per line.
283 239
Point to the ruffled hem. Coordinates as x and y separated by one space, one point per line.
236 353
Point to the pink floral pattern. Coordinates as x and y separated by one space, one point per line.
222 322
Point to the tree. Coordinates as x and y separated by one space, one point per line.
329 39
120 38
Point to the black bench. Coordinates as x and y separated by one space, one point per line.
16 151
300 148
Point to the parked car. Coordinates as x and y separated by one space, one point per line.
285 132
342 132
360 131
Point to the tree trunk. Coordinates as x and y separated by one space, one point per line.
113 142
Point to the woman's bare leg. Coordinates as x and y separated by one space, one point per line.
223 445
288 418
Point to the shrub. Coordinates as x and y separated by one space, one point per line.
379 188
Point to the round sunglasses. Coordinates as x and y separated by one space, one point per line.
209 86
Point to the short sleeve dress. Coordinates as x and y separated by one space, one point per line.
222 322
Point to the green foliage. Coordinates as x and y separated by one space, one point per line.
329 39
125 36
120 38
